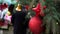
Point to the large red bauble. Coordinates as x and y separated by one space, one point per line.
35 25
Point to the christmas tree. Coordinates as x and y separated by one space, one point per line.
52 17
58 9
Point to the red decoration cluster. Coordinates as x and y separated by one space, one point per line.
37 9
35 23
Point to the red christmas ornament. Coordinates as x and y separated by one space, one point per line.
37 9
27 7
35 23
44 7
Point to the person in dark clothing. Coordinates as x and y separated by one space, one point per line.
17 20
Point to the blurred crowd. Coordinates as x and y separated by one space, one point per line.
6 11
17 19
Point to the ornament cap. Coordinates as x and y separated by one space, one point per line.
18 7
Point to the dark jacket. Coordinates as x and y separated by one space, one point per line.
18 22
18 17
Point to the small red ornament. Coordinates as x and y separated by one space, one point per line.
27 7
44 7
37 9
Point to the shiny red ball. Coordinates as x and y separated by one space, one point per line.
35 25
